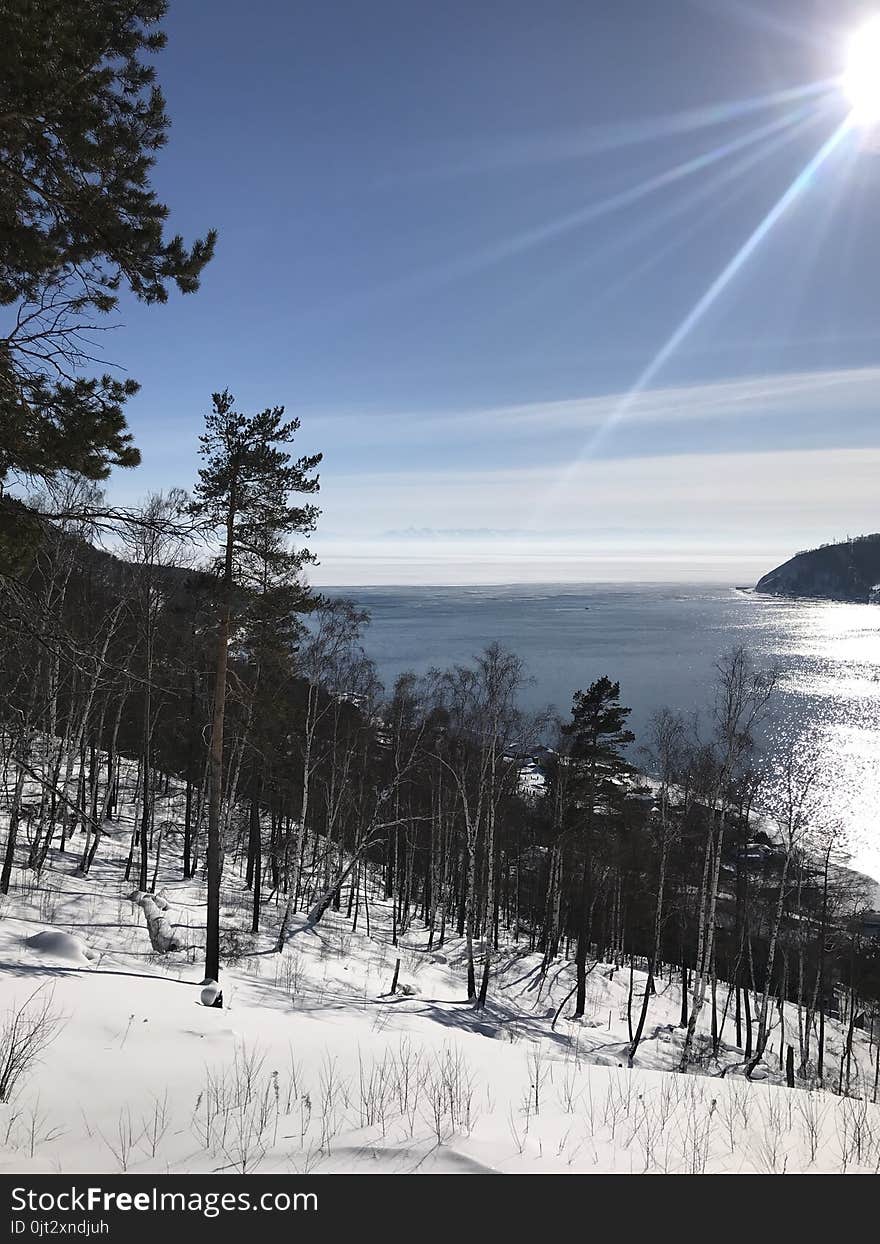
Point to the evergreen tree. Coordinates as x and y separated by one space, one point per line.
271 632
81 119
597 735
243 495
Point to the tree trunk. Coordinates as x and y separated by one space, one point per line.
14 817
258 877
583 936
469 914
213 855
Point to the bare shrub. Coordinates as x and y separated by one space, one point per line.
409 1074
39 1130
14 1113
123 1143
155 1125
292 973
334 1099
49 896
648 1129
772 1147
26 1033
238 1112
538 1071
375 1089
697 1131
520 1134
812 1108
449 1088
235 944
567 1091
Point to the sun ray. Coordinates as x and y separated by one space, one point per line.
800 123
442 274
707 300
544 148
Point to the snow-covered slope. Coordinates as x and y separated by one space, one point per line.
311 1064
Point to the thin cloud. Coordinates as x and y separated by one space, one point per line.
835 393
753 508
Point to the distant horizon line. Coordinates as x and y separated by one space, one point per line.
570 583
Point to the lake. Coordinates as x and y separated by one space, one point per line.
660 642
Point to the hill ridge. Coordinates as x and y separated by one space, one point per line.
848 571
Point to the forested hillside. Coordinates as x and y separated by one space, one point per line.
328 779
849 570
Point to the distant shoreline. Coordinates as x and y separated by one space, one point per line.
570 585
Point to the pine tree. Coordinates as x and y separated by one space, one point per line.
81 120
271 631
243 494
597 733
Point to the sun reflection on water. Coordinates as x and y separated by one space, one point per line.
828 656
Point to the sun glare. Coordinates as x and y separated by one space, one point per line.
861 78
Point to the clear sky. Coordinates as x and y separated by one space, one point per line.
475 245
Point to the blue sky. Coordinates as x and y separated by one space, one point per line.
459 240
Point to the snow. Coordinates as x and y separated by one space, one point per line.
53 944
155 908
311 1064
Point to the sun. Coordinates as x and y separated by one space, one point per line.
861 77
